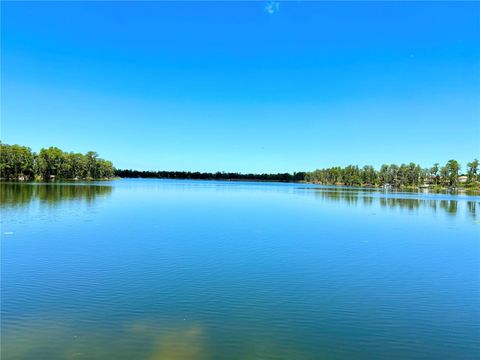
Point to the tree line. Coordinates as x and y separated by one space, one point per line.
405 175
20 163
283 177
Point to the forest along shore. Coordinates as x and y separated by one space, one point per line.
19 163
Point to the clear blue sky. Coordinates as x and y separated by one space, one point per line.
244 86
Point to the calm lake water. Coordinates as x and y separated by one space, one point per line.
153 269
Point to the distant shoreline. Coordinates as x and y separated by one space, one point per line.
432 189
19 163
195 175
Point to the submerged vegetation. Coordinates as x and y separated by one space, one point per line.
20 163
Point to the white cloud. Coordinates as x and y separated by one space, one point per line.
272 7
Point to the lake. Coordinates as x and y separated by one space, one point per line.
161 269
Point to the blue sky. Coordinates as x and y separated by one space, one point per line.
244 86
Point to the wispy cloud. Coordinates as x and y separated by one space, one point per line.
272 7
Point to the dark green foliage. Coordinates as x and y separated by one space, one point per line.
405 175
16 162
453 167
285 177
472 171
20 163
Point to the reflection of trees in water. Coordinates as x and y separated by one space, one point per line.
17 194
367 200
472 206
352 198
409 204
450 206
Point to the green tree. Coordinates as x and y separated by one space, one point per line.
393 175
369 175
453 167
50 163
444 175
434 173
472 171
16 162
92 166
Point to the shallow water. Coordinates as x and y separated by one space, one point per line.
157 269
